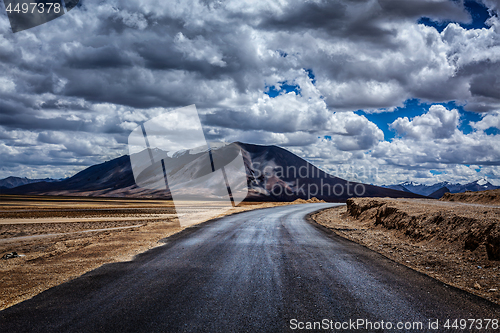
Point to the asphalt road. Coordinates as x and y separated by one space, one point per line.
252 272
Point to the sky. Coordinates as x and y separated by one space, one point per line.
380 91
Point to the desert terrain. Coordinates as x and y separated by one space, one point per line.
60 238
455 242
491 197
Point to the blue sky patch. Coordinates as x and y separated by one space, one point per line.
413 108
492 131
282 53
478 12
311 75
284 88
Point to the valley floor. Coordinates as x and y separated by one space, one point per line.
61 238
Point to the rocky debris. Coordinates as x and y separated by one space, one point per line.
493 247
471 227
10 255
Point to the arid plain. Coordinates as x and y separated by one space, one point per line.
60 238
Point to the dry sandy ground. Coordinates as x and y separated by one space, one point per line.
491 197
64 237
445 240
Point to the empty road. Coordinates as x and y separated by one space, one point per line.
266 270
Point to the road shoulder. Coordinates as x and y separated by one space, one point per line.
447 262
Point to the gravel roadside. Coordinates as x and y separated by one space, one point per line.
447 241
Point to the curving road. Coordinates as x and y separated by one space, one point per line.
265 270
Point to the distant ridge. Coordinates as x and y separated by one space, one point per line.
433 190
12 182
109 179
439 193
115 179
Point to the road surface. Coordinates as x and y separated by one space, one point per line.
265 270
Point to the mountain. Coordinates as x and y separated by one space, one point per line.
478 185
423 189
397 187
433 190
439 193
273 173
109 179
286 170
11 182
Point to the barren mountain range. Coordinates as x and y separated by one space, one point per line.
273 174
439 189
11 182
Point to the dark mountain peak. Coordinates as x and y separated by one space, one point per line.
13 182
429 190
439 193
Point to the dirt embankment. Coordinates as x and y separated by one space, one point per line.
456 243
312 200
491 197
468 227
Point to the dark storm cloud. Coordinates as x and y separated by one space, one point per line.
102 65
487 85
246 121
23 121
56 104
364 20
78 85
165 57
415 9
485 82
279 123
108 56
331 18
16 117
9 109
327 15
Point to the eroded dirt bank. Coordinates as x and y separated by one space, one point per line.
491 197
456 243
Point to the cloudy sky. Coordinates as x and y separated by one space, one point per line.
378 91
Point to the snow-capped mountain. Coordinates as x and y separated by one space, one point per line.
437 189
